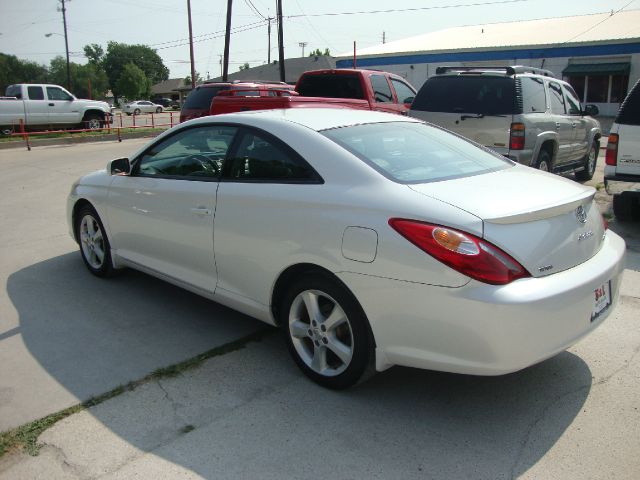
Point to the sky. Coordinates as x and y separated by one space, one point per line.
333 24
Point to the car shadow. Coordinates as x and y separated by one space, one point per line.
93 335
86 333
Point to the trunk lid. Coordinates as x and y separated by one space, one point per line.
545 222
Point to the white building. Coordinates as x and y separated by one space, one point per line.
598 54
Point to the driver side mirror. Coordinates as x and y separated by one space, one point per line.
119 166
591 110
408 101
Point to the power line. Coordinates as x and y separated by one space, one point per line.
599 23
212 37
398 10
250 4
259 23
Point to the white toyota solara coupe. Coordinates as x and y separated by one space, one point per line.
371 239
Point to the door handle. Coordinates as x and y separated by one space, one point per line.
573 125
201 211
557 125
52 104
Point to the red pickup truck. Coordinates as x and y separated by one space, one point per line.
340 88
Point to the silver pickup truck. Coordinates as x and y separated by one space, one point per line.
42 106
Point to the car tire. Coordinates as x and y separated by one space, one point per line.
94 244
136 111
327 332
6 130
623 207
159 110
543 162
93 121
589 164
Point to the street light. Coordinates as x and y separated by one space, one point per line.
67 52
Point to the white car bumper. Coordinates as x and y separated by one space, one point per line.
484 329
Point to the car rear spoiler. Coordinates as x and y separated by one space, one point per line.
508 70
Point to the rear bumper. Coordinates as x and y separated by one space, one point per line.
485 329
618 184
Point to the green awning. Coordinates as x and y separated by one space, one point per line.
576 69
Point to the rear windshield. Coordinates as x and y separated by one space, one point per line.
487 95
409 152
200 98
629 113
331 85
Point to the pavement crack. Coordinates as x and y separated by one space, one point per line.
545 410
69 467
178 421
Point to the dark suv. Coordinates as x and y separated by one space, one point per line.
198 103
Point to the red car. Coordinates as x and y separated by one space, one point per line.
199 101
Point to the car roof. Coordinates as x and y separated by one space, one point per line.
314 118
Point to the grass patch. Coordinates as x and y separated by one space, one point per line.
25 437
600 186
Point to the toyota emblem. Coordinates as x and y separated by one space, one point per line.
581 215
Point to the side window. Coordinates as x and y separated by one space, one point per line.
14 91
381 90
192 153
573 104
55 93
533 97
259 157
404 92
556 98
35 93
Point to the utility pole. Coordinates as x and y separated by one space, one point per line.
302 44
66 42
280 41
227 39
193 65
269 39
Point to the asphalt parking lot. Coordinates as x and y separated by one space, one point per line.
66 336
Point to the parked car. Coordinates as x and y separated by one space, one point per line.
141 106
200 100
524 113
344 88
371 239
622 162
165 102
45 106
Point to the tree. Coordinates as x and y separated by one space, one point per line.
81 75
318 53
95 53
244 67
187 80
133 83
13 70
119 55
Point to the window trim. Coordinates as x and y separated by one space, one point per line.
135 163
233 148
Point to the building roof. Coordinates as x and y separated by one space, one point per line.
293 67
167 86
620 27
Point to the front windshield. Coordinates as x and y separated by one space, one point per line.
410 152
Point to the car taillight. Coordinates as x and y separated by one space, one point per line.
611 157
605 223
461 251
516 140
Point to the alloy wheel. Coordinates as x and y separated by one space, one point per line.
321 333
92 241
